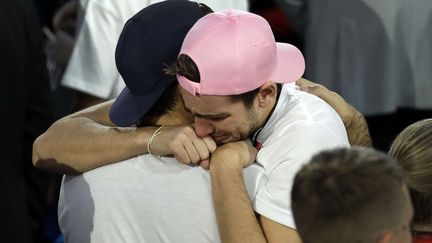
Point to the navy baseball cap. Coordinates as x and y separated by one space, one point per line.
151 39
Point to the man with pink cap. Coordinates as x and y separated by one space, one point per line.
238 83
235 91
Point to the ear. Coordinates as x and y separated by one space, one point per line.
267 94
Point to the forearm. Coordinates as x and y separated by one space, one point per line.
86 140
357 129
235 216
76 145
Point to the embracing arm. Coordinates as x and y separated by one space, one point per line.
234 213
355 124
86 140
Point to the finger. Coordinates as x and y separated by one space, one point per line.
181 155
333 99
192 152
303 82
201 148
315 89
210 143
205 164
305 88
319 91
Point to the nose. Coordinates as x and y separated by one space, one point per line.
203 127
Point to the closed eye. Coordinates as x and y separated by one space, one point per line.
218 117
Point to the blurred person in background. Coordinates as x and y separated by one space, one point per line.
46 10
376 54
413 149
26 106
279 22
59 45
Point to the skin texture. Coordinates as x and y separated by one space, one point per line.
236 219
87 140
219 118
355 123
226 122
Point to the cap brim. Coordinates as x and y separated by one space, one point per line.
290 64
128 108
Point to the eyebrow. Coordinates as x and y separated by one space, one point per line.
206 116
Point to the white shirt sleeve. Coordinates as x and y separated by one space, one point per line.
283 158
92 68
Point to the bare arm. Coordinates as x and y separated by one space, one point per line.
234 213
86 140
355 123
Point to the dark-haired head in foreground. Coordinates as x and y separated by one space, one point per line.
351 195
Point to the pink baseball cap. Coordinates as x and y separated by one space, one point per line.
235 52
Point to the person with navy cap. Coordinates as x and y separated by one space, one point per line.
91 72
145 198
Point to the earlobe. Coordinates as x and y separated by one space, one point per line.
267 94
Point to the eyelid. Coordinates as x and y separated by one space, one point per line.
218 118
211 118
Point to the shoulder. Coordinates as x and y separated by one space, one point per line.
303 126
304 117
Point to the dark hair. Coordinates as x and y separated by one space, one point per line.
348 195
167 99
186 67
163 104
413 149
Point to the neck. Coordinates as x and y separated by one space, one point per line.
269 111
254 133
267 114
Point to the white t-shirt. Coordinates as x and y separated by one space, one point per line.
300 126
142 199
91 68
151 199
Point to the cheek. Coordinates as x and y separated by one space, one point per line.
225 125
228 125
